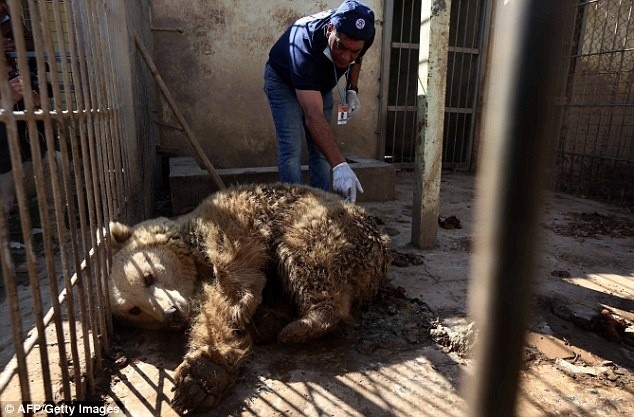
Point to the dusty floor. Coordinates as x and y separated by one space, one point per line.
408 353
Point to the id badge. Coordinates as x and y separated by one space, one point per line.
342 114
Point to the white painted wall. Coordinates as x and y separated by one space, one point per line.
214 68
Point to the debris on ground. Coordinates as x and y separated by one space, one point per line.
603 322
560 274
595 225
574 371
451 222
461 339
610 326
403 260
532 354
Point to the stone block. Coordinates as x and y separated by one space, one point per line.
190 184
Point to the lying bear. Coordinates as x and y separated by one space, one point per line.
208 270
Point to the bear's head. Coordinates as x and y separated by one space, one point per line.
153 276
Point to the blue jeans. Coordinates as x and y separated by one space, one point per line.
290 127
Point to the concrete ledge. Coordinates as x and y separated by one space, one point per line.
189 184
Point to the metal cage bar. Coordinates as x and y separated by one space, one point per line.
467 36
59 321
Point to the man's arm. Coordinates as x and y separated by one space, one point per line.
344 180
313 107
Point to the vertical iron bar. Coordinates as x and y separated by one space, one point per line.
43 204
6 261
470 116
59 208
386 63
87 311
18 175
95 208
100 162
86 127
406 102
517 127
398 89
485 8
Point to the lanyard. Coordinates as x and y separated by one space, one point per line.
342 98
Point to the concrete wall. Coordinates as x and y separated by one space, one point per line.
138 98
211 54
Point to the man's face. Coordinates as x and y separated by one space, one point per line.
343 49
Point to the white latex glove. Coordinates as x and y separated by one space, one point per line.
354 104
345 182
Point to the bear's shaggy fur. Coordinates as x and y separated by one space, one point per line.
208 270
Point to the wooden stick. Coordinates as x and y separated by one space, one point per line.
179 116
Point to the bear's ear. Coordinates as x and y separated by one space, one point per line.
119 234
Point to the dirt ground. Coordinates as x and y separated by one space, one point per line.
408 353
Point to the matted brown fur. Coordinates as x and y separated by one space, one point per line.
208 270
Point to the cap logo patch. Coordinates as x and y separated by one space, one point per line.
360 24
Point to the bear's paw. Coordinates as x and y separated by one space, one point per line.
199 384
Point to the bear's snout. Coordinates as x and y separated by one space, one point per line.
175 318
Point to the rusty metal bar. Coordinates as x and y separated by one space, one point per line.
450 140
87 128
77 106
401 39
18 172
483 37
43 194
96 35
518 125
6 260
61 200
82 129
473 84
69 281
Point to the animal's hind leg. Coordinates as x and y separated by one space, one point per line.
316 322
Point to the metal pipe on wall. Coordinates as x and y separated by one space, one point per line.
518 118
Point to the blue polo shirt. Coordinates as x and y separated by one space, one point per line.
298 55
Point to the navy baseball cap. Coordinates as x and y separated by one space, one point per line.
354 19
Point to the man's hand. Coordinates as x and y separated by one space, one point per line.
354 104
17 92
345 182
17 88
